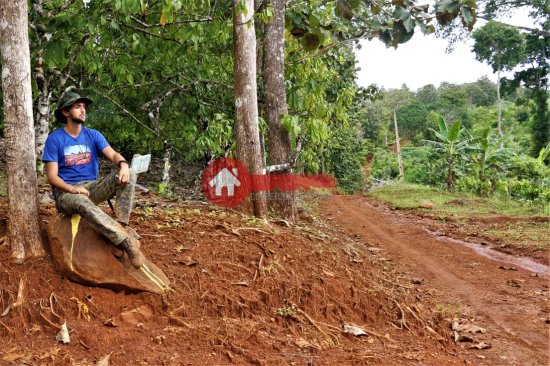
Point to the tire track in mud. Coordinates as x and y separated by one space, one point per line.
504 300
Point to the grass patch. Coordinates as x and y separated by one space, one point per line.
524 235
410 196
508 222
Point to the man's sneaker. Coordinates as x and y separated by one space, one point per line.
132 232
131 247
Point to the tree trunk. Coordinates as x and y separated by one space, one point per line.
166 166
23 223
398 147
450 180
275 104
499 110
42 127
247 132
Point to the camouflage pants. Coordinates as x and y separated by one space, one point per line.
100 191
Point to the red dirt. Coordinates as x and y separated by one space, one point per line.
249 293
513 305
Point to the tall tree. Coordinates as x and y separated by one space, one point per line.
535 78
275 103
502 47
247 132
23 224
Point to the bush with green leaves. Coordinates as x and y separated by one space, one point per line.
384 165
423 165
524 167
345 158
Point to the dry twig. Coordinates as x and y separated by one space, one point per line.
19 300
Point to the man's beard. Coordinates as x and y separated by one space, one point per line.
78 121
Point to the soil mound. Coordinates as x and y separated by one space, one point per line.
243 292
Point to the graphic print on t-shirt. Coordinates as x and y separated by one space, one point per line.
77 155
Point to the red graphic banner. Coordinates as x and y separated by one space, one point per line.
226 182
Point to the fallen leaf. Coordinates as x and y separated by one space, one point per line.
374 249
104 361
181 248
354 329
481 345
241 283
63 335
468 328
188 261
302 343
508 268
110 323
462 338
6 311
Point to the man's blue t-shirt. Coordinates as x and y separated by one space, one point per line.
77 157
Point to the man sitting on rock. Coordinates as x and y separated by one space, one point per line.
71 157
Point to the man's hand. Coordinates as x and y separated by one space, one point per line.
124 174
117 159
80 190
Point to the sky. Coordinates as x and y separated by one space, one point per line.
422 60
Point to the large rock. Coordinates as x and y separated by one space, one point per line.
84 256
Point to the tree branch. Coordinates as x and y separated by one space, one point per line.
65 6
67 70
157 102
152 34
157 134
185 21
527 29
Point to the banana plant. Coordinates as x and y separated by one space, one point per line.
543 154
453 143
487 156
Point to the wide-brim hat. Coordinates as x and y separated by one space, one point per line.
67 101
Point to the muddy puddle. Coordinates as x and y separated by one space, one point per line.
488 252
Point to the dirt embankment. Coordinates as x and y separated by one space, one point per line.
243 293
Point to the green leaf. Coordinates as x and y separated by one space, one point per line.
343 10
401 34
454 132
310 41
446 11
354 4
442 125
468 17
385 36
314 21
55 54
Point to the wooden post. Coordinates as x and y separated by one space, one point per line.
398 147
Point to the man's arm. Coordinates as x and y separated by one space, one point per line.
118 160
57 182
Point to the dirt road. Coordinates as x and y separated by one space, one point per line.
510 301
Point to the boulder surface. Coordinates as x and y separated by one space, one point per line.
85 256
